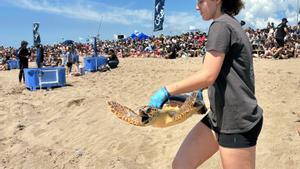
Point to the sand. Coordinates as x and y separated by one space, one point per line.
71 128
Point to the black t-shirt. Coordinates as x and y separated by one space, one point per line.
173 52
113 57
23 55
280 33
234 108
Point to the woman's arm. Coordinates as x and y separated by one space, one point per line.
203 79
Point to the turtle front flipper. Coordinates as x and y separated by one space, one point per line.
126 114
187 108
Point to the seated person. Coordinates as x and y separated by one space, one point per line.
120 53
297 48
171 52
3 63
112 60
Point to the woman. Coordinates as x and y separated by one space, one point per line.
23 55
235 120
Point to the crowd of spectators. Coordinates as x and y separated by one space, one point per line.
191 44
265 42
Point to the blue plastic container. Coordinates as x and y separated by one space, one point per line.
45 77
92 64
13 64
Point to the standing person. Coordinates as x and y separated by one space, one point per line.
39 56
23 55
75 60
235 119
280 33
69 62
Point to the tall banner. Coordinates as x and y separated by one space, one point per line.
95 47
36 34
159 14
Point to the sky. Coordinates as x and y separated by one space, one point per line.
81 19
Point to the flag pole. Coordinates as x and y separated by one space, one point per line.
153 23
153 19
297 11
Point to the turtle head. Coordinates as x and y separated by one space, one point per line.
148 114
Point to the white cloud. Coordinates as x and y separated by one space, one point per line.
256 13
87 11
181 21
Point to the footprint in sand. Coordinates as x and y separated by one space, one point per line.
39 132
20 127
91 122
116 162
117 146
297 122
298 128
140 159
76 102
54 120
15 91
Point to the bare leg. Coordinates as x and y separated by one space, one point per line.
21 76
278 52
199 145
237 158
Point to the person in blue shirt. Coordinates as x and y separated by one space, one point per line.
75 60
39 56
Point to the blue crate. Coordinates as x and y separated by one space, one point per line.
92 64
45 77
13 64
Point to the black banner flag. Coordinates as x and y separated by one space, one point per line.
36 34
159 14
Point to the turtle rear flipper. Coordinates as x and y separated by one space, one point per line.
171 115
201 107
126 114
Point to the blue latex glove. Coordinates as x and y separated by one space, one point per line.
200 95
159 98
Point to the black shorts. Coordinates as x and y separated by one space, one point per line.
236 140
69 64
280 42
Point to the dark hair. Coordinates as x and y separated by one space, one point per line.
284 20
23 42
232 7
243 23
112 51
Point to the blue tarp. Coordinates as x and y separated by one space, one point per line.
68 42
133 36
140 36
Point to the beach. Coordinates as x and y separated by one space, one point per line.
71 127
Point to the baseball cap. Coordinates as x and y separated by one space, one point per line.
284 20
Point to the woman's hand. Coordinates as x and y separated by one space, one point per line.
159 98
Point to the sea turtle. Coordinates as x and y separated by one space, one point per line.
175 110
